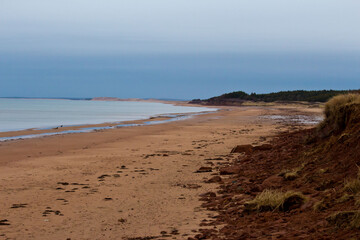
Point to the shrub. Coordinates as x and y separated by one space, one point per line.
269 200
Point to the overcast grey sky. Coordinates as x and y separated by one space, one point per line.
158 28
179 25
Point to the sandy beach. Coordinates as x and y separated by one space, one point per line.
139 182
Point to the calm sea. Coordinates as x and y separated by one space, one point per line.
20 114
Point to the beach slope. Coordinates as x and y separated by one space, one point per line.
130 183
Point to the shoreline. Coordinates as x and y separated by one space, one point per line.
86 128
82 128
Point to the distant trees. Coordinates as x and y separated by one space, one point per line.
298 95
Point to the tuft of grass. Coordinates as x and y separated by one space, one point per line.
344 198
345 219
337 111
323 170
357 200
291 174
332 106
320 206
353 185
270 200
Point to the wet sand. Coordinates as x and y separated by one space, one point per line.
126 183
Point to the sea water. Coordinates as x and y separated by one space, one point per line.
20 114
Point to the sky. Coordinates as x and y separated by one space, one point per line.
177 49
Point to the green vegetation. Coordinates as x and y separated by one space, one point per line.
311 96
269 200
299 95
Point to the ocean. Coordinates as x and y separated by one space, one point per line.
21 114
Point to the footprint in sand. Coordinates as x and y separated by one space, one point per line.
48 211
19 205
4 222
65 202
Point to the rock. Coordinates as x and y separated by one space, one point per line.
208 194
263 147
308 205
292 202
204 169
192 186
215 179
229 170
247 149
272 182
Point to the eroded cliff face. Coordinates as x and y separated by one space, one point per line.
305 186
